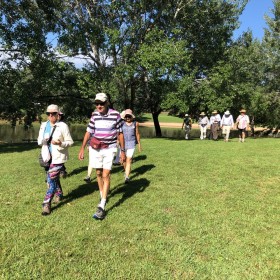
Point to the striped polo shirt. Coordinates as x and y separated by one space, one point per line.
106 127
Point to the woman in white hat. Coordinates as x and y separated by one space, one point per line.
55 135
227 124
203 122
215 121
242 123
131 138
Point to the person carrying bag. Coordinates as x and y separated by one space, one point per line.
45 156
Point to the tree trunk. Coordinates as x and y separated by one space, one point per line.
156 123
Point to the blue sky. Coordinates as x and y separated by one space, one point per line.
253 17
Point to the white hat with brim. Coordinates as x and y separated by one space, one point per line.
122 114
52 109
202 114
186 115
227 112
129 112
101 97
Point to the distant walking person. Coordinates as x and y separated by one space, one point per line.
252 125
203 122
58 147
215 121
187 123
106 126
131 138
227 124
242 123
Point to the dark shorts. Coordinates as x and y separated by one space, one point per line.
241 130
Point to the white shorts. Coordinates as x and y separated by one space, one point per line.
129 152
102 158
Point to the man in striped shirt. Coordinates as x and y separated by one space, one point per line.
106 127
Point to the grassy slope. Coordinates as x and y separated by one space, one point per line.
194 210
163 117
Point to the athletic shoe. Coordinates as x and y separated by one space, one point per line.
46 209
99 214
126 180
87 179
57 199
63 174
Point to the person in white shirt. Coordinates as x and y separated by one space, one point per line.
215 121
227 124
242 124
203 122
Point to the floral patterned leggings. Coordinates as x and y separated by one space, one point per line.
53 181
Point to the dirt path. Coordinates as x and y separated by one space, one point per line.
164 124
179 125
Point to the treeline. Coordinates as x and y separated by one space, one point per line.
172 55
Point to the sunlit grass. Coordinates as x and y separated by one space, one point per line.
163 117
193 210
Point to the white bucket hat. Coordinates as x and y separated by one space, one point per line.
52 108
101 96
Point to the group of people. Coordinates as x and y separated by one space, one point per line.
226 123
106 133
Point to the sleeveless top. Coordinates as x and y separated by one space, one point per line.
129 133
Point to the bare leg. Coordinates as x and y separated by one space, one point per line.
128 166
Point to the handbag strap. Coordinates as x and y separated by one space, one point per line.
50 139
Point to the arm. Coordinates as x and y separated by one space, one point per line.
65 140
248 123
138 137
86 138
232 122
122 146
237 121
41 134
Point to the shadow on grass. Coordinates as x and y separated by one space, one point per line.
81 191
133 187
77 171
143 119
119 168
11 148
140 157
129 190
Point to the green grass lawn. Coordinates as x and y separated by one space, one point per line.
193 210
163 117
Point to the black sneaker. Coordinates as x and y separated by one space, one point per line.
87 179
63 174
126 180
46 209
99 214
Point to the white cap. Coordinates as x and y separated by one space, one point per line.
52 108
101 97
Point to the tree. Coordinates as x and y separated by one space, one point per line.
271 50
138 50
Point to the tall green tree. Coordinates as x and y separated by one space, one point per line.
138 50
271 43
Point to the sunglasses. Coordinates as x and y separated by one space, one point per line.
128 116
51 113
100 103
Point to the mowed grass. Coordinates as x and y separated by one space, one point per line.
193 210
163 117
